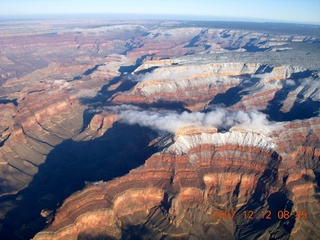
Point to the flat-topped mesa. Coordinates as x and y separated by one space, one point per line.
242 128
196 85
193 130
149 64
193 85
184 143
264 130
192 70
196 70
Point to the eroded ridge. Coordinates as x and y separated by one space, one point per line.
180 188
223 122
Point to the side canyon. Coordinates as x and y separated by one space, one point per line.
159 130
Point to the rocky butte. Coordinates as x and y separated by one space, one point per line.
159 130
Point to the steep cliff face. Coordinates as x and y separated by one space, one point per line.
300 173
186 109
34 130
46 113
192 85
237 85
175 193
203 185
46 109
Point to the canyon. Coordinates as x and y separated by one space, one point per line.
159 130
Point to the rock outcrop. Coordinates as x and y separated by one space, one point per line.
70 161
178 192
192 85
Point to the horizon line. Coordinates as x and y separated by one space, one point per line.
150 16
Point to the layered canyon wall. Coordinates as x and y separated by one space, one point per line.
224 124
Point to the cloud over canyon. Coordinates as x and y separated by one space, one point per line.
171 121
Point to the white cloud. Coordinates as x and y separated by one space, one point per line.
171 121
290 83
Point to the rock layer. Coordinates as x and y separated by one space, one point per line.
60 84
177 192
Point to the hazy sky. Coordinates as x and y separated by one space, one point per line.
282 10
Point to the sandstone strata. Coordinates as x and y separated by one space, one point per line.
57 86
176 192
237 84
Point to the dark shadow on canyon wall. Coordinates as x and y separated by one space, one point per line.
301 109
5 101
103 97
67 167
253 227
234 94
86 73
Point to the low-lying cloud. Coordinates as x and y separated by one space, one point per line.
290 83
171 121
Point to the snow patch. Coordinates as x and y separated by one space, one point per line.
185 143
